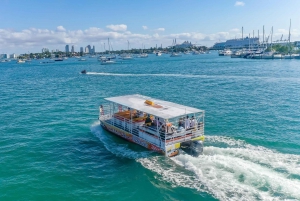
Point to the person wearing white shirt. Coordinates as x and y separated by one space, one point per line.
187 122
193 122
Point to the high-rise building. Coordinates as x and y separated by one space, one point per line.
81 49
45 50
93 49
67 49
88 49
72 49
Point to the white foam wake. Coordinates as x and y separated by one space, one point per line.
237 172
195 76
234 171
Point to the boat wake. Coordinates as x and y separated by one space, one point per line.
195 76
229 169
144 75
237 172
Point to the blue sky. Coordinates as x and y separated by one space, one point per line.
34 24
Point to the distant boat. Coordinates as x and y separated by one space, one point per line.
236 54
127 56
107 62
158 53
267 55
101 57
20 61
83 72
277 56
174 54
143 55
58 59
82 59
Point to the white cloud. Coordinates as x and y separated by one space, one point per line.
234 30
60 28
117 27
145 27
160 29
33 39
239 3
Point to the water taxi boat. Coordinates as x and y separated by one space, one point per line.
158 125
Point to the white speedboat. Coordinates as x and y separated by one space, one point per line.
107 62
174 54
290 56
277 56
127 57
143 55
267 55
227 52
20 61
158 53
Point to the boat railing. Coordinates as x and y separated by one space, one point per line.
185 134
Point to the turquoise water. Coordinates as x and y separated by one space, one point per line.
52 148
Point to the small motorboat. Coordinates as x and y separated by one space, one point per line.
83 72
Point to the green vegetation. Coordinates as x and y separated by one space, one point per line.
150 50
283 49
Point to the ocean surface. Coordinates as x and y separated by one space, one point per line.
52 147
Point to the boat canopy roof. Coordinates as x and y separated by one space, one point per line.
156 107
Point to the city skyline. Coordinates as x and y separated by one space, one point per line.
149 23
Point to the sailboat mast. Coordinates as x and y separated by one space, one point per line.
264 34
108 46
271 37
290 37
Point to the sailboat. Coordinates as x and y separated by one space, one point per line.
289 55
143 55
175 54
110 56
268 55
128 55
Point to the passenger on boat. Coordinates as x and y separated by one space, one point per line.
187 122
157 122
148 121
193 122
180 123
